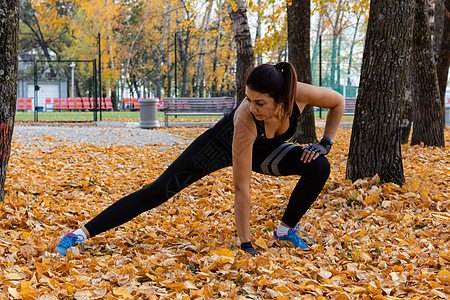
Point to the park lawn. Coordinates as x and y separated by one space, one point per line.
118 116
372 240
126 116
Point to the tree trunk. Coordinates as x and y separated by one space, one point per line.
428 126
168 90
158 80
375 140
298 19
130 52
245 55
214 86
9 45
201 57
184 43
407 118
258 31
443 61
438 26
184 52
178 53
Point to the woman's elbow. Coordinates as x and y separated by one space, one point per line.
339 103
340 100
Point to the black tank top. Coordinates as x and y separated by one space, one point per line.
261 130
222 132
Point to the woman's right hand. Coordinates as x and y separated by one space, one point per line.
248 247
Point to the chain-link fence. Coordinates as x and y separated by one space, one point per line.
54 90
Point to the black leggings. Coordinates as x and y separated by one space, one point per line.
207 154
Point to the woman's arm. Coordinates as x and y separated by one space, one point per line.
324 98
244 136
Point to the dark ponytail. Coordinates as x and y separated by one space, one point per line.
279 81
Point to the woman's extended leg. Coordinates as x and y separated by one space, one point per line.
186 169
203 156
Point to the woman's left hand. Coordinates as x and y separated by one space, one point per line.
309 154
313 151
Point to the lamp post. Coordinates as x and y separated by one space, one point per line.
72 65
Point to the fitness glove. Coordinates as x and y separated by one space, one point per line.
247 247
323 147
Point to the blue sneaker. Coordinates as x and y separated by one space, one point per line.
69 240
293 237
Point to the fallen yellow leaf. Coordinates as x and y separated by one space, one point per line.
444 276
176 286
122 293
222 252
261 243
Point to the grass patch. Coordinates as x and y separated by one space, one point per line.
121 116
86 116
79 116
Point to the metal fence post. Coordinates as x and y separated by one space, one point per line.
447 114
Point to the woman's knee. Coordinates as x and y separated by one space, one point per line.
319 167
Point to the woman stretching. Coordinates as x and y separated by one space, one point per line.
252 137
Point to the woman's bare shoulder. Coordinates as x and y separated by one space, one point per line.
243 121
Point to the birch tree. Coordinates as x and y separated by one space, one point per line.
258 35
245 54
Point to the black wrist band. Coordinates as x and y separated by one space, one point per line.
326 141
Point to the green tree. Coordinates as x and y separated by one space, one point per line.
45 27
245 54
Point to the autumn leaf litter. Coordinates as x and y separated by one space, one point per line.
372 240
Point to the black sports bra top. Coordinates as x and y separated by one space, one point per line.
222 131
293 119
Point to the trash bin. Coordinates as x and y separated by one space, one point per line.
148 113
39 108
447 114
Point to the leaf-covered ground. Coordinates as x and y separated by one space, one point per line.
371 240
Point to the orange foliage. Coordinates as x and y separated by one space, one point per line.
371 240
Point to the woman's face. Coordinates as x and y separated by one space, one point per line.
261 105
